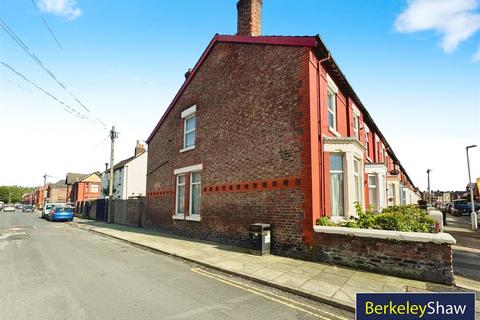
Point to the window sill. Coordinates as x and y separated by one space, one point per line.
338 219
187 149
334 132
178 217
195 217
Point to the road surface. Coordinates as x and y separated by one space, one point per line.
51 270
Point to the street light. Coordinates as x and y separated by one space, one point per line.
429 195
473 216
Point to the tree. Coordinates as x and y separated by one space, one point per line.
14 193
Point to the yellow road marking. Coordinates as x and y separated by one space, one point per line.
267 295
276 295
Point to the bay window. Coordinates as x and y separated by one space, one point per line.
372 191
357 180
337 185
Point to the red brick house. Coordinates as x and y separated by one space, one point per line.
83 187
265 129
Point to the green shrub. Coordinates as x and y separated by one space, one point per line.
324 221
397 218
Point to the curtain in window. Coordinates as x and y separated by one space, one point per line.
372 192
336 190
336 185
196 187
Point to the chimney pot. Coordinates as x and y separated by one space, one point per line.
249 20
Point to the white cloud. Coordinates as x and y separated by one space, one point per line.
454 20
62 8
476 56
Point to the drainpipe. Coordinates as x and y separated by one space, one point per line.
322 160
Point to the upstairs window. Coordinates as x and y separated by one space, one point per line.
332 91
189 128
189 132
367 141
332 110
356 127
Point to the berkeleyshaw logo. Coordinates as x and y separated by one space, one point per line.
411 306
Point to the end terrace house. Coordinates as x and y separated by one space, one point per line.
267 129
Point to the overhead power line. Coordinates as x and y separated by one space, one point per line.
46 25
66 107
17 39
22 45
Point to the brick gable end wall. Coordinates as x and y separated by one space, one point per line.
250 122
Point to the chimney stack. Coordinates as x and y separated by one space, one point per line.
249 21
139 149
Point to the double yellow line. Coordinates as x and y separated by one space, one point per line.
297 305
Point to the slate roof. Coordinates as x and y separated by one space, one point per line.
59 184
74 177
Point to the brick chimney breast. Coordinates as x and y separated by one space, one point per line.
249 21
139 149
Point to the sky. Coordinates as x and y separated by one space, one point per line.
415 64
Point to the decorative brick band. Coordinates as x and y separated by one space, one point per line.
160 193
257 185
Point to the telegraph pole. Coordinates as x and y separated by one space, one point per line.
44 190
113 136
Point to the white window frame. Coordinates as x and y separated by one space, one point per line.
186 115
96 187
359 175
185 132
192 216
356 126
332 89
375 186
330 111
344 189
356 122
367 142
179 215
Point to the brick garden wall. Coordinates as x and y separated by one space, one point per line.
249 140
417 260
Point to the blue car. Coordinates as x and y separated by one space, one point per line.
60 213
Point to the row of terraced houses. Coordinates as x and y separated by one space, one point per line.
267 129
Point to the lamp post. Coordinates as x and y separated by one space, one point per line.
473 216
429 203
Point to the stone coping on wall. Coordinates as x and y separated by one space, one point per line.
439 238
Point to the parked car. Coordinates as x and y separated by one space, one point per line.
2 205
60 213
18 206
28 208
46 209
461 207
9 208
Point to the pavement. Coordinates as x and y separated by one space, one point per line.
326 283
466 252
50 270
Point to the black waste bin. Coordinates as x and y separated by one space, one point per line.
260 238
